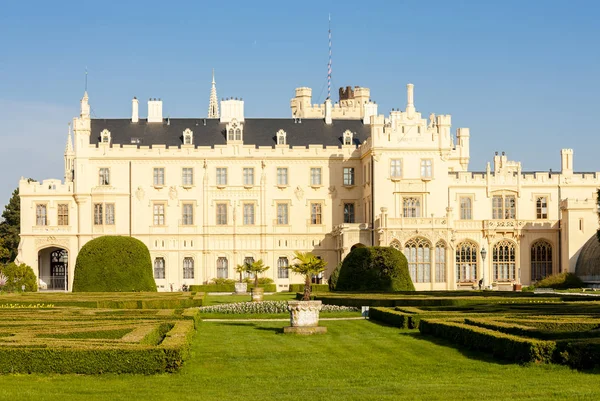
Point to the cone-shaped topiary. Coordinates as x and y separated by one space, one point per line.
375 268
113 263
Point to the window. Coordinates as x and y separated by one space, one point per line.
98 214
63 214
282 267
315 176
465 208
248 213
348 176
187 176
541 260
282 213
440 262
426 168
221 214
238 134
348 138
159 176
188 268
248 176
188 214
159 268
396 168
411 207
504 207
159 214
104 176
104 214
105 136
221 175
466 261
541 207
109 214
282 176
188 137
40 215
348 212
503 261
418 255
222 268
230 134
281 137
315 213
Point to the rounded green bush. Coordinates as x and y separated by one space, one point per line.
378 268
561 281
113 263
17 276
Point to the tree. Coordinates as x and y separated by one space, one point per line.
307 265
254 268
17 276
10 229
241 269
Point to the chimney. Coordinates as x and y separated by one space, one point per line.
232 109
155 111
410 103
328 111
135 113
566 161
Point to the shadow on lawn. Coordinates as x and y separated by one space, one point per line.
241 324
276 330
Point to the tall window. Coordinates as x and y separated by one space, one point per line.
159 268
159 214
222 268
221 214
104 176
466 261
248 176
465 208
541 207
188 214
503 261
109 218
63 214
426 168
248 213
541 260
396 168
238 134
315 213
188 268
187 176
282 267
418 255
221 175
411 206
504 207
159 176
282 176
348 212
98 214
315 176
230 135
348 176
282 213
40 215
440 262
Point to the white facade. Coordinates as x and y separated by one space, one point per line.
263 189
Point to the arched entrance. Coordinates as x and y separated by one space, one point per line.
53 269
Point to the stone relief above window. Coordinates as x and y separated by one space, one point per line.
234 131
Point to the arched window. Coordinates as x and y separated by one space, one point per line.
159 268
541 260
238 134
418 255
396 244
105 136
348 136
282 267
230 134
503 261
188 268
466 261
222 268
440 262
281 137
188 137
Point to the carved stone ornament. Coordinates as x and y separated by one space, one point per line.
332 192
51 240
173 192
304 313
139 194
299 193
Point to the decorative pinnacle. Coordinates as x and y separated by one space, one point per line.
213 105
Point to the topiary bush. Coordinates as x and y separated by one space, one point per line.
335 274
378 268
17 276
113 263
561 281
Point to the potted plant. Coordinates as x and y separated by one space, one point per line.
304 314
256 268
241 287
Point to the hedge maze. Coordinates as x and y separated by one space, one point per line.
520 329
48 338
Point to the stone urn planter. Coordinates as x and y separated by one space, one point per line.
258 294
241 288
304 317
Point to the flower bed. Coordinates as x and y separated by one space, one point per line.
271 307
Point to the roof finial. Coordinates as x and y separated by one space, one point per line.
213 105
86 79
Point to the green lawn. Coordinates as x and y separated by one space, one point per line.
355 360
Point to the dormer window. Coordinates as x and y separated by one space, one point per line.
348 135
234 131
188 137
105 136
281 137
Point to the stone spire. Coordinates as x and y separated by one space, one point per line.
213 105
69 147
69 158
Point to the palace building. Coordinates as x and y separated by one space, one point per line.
208 193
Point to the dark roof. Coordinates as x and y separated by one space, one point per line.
210 132
588 262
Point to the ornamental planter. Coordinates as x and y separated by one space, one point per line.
241 288
304 317
258 294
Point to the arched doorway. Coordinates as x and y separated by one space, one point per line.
53 269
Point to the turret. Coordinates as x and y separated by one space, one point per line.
566 161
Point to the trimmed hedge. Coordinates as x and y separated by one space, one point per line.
561 281
374 269
315 287
391 317
579 354
229 288
113 264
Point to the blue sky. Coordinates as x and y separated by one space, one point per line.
523 75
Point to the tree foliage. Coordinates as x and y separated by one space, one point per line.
307 265
254 268
10 228
17 276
